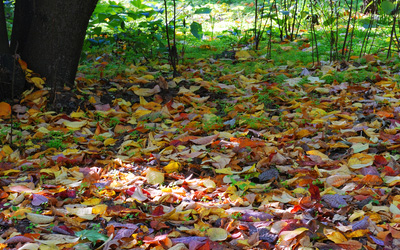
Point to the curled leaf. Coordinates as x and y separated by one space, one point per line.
39 218
337 180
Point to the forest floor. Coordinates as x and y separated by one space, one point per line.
279 157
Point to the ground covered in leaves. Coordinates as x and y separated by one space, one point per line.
269 159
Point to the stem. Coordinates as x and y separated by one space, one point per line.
166 29
391 37
347 28
255 26
294 21
279 25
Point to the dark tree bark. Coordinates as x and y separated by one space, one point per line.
12 79
4 48
49 36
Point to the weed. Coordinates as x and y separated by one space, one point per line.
266 97
214 123
127 217
237 216
114 121
32 226
57 144
280 78
98 116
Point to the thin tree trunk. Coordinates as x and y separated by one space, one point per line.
4 48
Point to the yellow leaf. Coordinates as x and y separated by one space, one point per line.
91 202
360 160
243 55
43 130
324 157
110 141
224 171
358 233
304 133
154 177
335 236
173 166
71 151
356 214
141 112
21 213
7 150
79 114
10 171
217 234
38 82
316 112
209 183
148 77
288 235
75 125
92 100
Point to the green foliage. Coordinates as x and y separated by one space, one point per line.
196 30
91 235
56 143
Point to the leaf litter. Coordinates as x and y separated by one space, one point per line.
204 161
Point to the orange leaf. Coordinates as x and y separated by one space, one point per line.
5 109
350 245
372 180
385 114
23 64
246 142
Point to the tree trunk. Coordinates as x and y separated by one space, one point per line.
12 78
49 36
4 48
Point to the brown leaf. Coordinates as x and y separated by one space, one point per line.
205 140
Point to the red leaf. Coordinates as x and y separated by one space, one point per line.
206 246
296 208
314 190
130 191
380 160
158 211
389 171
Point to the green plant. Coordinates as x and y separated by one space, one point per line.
127 217
236 216
56 143
31 226
114 121
91 235
266 97
214 123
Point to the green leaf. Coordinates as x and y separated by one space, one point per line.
329 21
204 10
387 7
97 31
196 30
91 235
